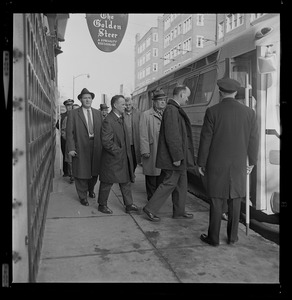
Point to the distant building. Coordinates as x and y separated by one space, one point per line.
147 53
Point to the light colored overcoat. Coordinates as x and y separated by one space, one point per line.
150 122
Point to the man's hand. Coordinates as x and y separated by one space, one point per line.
177 163
72 153
146 155
202 171
249 169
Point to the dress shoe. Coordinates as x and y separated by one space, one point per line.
184 216
104 209
91 195
71 180
224 217
131 207
150 215
84 202
206 239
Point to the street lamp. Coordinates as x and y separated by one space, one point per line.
74 77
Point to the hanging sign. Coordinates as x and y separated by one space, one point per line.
107 30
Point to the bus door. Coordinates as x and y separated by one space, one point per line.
243 68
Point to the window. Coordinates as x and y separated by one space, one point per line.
191 84
155 52
200 41
148 54
200 20
155 37
175 32
205 87
155 67
148 42
147 71
179 29
220 30
187 25
187 45
255 16
233 21
167 23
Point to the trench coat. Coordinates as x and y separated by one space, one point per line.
77 139
135 132
175 139
229 135
150 122
116 157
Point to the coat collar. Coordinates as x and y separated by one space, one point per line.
174 103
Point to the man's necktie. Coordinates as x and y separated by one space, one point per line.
90 126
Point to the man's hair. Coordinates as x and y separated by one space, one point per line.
178 89
115 99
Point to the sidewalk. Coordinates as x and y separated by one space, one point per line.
83 245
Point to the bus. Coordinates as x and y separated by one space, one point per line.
253 59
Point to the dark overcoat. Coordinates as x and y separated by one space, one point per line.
78 140
116 158
229 135
175 139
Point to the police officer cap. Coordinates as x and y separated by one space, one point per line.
228 85
158 94
68 102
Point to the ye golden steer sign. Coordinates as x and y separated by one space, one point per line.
107 30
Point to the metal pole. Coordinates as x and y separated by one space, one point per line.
247 176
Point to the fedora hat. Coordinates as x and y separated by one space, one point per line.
228 85
85 91
68 102
158 94
103 106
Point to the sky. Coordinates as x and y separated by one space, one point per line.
107 70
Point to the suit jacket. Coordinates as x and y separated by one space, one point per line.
116 158
175 139
78 140
229 135
150 122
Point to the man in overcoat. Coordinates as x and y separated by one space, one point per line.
175 154
229 136
84 145
116 158
150 122
68 105
132 120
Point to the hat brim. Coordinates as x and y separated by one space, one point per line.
158 98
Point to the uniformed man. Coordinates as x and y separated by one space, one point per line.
104 110
229 136
68 105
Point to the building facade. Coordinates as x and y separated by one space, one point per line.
36 45
147 52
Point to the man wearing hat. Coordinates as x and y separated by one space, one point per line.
104 110
68 105
175 155
84 145
149 128
229 136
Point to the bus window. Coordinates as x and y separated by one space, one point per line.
191 83
170 90
205 87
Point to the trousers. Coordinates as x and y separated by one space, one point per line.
104 191
175 183
85 185
216 208
152 183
